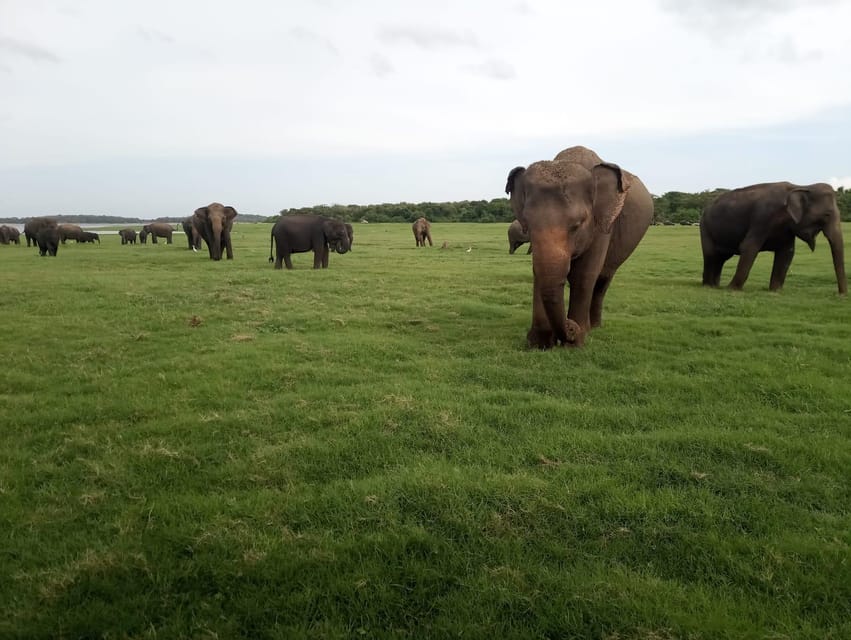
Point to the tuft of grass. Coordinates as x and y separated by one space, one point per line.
190 448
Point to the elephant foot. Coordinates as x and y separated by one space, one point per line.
540 339
575 333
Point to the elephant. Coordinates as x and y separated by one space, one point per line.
193 238
70 232
214 224
516 237
89 236
9 235
768 217
422 231
157 229
584 218
300 233
44 233
128 236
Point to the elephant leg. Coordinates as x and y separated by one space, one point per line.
782 260
582 278
540 335
288 260
748 251
713 265
226 241
429 240
600 288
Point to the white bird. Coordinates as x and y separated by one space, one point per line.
469 249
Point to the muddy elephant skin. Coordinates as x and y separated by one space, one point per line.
422 232
584 218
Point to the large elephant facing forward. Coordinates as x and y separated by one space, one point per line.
214 224
422 232
44 233
768 217
300 233
584 218
517 237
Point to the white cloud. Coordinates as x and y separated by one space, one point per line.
840 182
262 79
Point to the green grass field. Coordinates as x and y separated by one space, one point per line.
221 450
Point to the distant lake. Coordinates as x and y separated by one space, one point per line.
88 225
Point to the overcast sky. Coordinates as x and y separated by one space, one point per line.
157 107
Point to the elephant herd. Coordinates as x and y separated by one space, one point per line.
583 216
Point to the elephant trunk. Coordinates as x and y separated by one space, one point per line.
837 250
216 247
550 266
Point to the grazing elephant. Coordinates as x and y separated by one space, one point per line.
44 233
584 217
422 231
70 232
155 230
89 236
768 217
300 233
128 236
9 235
517 238
193 238
214 224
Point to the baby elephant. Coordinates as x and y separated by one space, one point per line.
301 233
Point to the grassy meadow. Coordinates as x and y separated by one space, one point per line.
222 450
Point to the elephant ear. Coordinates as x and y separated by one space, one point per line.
202 212
797 202
515 173
514 189
611 185
230 213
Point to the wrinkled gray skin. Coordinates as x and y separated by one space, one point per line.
128 236
157 230
584 218
70 232
301 233
214 224
422 232
193 238
516 237
45 233
9 235
768 217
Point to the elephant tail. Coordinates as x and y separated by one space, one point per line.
271 241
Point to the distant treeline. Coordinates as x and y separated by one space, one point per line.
675 207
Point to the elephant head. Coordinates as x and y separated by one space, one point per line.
214 223
567 210
143 234
813 209
337 235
